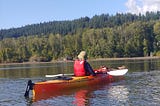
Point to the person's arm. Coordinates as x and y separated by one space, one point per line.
89 69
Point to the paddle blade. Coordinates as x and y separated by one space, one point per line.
119 72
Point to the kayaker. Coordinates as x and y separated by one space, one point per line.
81 66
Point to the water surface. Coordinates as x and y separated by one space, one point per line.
141 86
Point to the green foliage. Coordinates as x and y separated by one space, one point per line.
71 27
122 35
157 36
158 53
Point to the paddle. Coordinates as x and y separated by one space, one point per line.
57 75
118 72
114 72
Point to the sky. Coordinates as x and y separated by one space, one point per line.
18 13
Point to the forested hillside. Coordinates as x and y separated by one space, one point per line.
103 36
71 27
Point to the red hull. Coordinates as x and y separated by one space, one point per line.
43 90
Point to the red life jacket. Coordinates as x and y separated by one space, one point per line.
79 69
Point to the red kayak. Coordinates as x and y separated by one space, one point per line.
42 90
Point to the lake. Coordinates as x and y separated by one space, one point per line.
141 86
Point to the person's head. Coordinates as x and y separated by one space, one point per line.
82 55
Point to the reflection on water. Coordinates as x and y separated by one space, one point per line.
118 93
144 88
81 98
101 95
140 88
34 70
133 64
40 70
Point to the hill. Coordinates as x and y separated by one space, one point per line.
70 27
103 36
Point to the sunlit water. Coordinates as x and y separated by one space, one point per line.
141 86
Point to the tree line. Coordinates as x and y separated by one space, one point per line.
123 39
71 26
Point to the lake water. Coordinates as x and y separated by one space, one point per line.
141 86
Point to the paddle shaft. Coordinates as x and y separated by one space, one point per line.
58 75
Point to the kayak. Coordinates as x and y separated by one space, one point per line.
66 83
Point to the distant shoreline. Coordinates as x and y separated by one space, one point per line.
131 58
56 61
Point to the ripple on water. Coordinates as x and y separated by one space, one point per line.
144 88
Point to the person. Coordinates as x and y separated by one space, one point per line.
81 66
